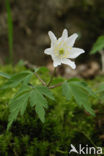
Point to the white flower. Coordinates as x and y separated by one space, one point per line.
62 49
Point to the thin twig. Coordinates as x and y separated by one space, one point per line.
42 81
30 66
57 85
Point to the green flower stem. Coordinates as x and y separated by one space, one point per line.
51 77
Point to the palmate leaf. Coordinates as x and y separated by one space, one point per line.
80 92
98 45
16 79
34 96
40 103
45 91
23 89
85 86
16 106
81 96
37 98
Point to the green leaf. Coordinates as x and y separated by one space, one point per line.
40 103
24 89
41 112
45 91
27 78
98 45
81 96
36 98
16 79
88 108
17 105
35 95
85 87
81 93
5 75
66 90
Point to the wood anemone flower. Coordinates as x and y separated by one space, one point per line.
62 49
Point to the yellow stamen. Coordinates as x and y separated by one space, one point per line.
61 51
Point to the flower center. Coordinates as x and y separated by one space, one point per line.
61 51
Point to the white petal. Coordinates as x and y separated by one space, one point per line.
48 51
71 39
69 62
75 52
64 34
52 37
56 61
